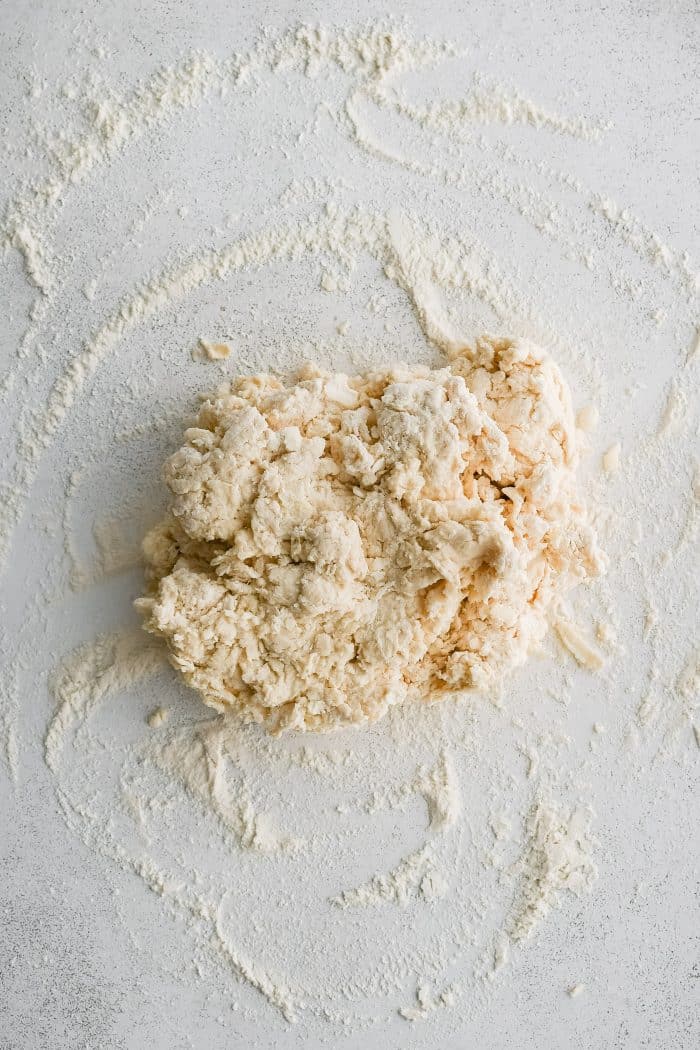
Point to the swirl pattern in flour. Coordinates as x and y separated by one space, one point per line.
259 844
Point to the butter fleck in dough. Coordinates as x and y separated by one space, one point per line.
337 542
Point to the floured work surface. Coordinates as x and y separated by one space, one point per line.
352 197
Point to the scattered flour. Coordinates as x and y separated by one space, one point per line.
694 351
674 410
414 875
491 104
558 857
110 664
199 764
438 786
373 57
117 545
427 1002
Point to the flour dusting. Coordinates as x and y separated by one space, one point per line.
401 873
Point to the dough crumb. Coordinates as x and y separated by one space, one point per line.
211 351
329 283
573 640
587 418
694 351
611 459
576 990
337 542
158 717
674 410
606 634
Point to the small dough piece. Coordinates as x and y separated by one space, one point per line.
587 418
211 351
611 459
157 717
337 541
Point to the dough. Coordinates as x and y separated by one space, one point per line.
338 541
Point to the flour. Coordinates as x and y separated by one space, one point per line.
558 857
8 720
117 545
480 816
372 57
694 351
647 243
117 539
427 1002
492 104
187 901
674 410
415 874
690 528
109 664
274 990
199 762
688 682
116 122
34 255
438 786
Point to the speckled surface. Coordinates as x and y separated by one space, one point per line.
87 959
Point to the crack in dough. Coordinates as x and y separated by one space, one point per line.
336 542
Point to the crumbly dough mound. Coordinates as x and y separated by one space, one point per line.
340 540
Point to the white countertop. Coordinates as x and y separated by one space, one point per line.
89 955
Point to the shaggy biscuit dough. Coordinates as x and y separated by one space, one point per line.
339 540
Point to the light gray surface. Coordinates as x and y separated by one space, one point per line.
84 955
